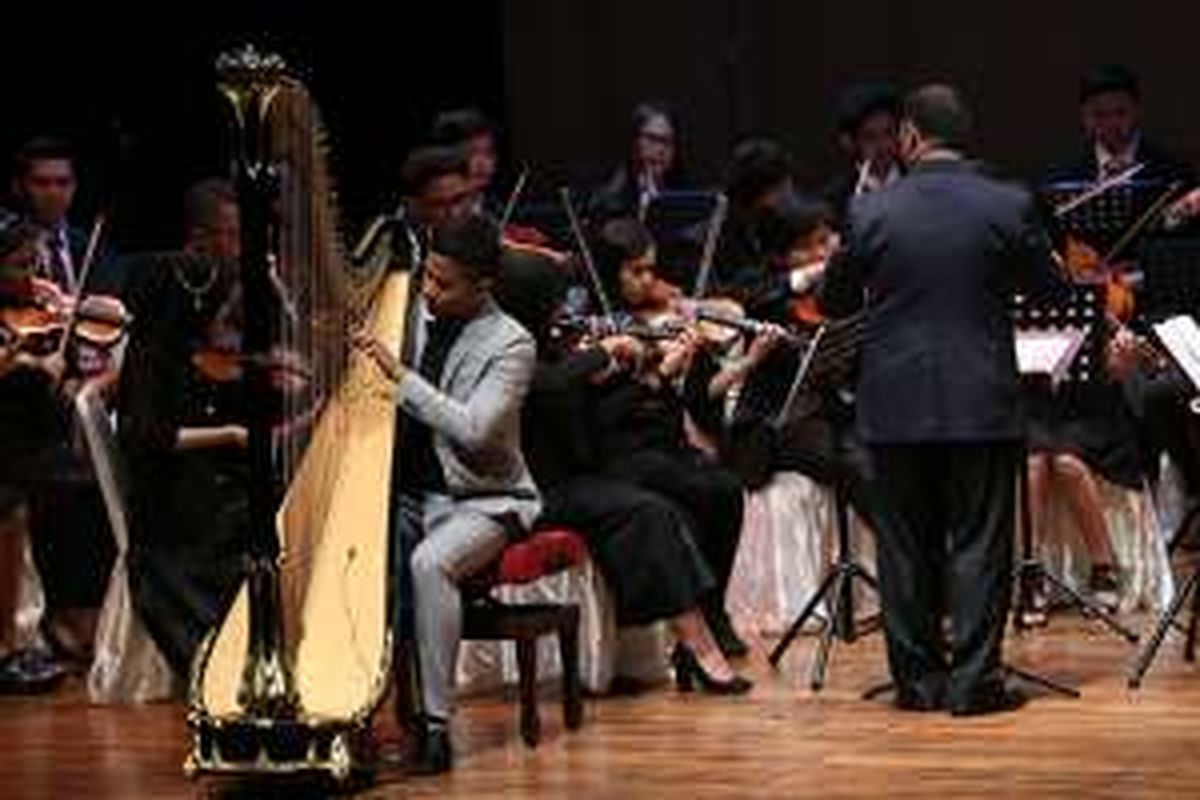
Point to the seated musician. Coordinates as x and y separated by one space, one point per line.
72 542
759 181
1087 432
637 420
868 133
436 186
1078 435
651 166
798 238
819 440
1110 115
641 540
469 130
29 431
181 432
465 486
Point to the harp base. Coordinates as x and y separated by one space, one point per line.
261 747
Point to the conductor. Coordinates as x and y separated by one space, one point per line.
934 261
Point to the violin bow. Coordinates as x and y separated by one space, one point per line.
864 172
510 205
1100 189
1148 216
585 253
85 269
716 222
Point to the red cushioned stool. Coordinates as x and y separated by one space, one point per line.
542 553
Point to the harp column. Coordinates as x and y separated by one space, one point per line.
250 81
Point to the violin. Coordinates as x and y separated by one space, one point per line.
218 365
41 321
1085 265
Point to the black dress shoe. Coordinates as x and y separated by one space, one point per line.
689 673
435 755
990 701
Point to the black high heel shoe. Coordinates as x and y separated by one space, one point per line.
689 672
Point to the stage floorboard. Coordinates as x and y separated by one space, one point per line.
781 741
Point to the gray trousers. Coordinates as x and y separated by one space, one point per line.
456 542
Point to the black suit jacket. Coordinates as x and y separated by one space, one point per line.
938 256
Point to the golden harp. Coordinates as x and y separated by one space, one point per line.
289 680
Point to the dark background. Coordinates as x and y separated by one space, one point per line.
134 90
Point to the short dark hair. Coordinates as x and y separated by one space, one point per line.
473 241
620 240
41 148
460 125
426 164
203 200
1107 78
796 217
938 112
758 166
860 102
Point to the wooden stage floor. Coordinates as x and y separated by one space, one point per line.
781 741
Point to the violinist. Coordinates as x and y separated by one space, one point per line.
470 130
638 421
652 166
819 442
1085 435
641 540
436 186
73 545
799 239
29 431
759 181
868 125
181 431
1111 118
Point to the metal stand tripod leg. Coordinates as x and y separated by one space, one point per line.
837 588
1145 658
1031 571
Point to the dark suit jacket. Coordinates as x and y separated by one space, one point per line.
939 255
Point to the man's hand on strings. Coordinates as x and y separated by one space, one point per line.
381 355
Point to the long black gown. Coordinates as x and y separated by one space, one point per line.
640 439
188 509
641 540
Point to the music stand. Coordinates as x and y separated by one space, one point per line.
1180 337
1056 344
677 220
827 362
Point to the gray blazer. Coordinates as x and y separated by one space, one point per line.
475 413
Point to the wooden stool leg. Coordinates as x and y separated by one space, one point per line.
568 648
1189 648
527 673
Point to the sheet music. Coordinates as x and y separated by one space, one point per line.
1181 336
1048 352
